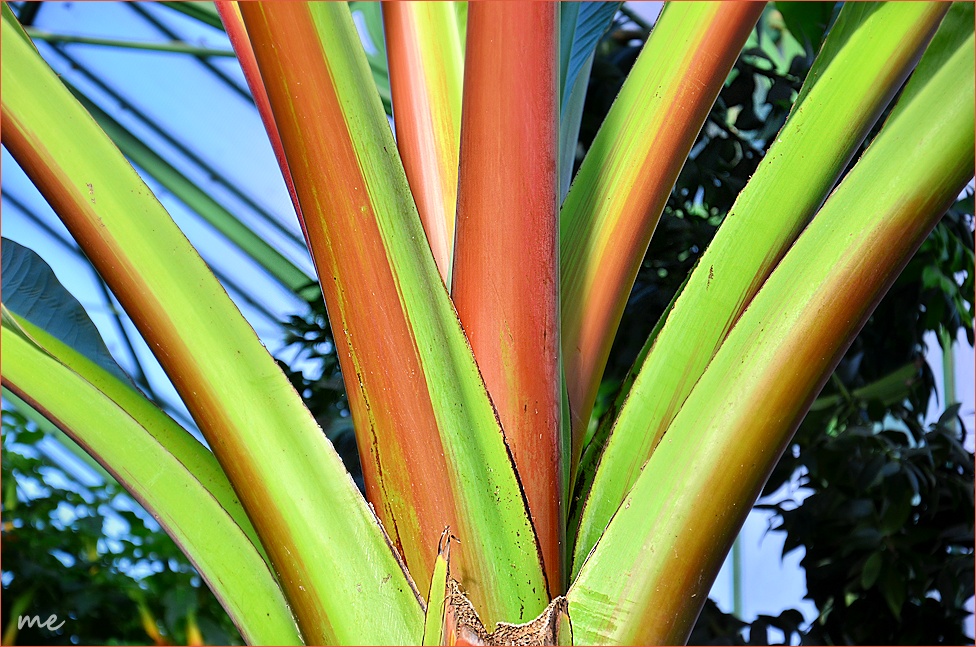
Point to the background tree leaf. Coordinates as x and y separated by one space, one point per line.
31 290
807 21
581 26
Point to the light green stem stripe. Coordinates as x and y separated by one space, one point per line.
222 553
497 532
660 554
868 54
175 47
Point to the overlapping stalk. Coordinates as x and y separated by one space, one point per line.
230 16
620 191
164 471
505 279
286 273
196 460
324 543
868 55
426 64
667 541
432 450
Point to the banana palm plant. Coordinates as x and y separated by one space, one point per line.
473 293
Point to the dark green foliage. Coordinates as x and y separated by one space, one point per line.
944 256
887 530
807 22
717 628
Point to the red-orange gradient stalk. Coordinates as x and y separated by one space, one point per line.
426 67
623 185
432 451
505 285
230 15
322 158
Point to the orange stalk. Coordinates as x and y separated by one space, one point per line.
432 451
230 16
618 195
425 59
354 299
505 284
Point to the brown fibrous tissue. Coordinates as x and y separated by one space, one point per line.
462 626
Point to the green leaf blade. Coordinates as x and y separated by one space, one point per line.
31 290
581 26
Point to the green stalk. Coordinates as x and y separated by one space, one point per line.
869 53
647 578
237 573
175 440
330 554
426 65
948 368
617 198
